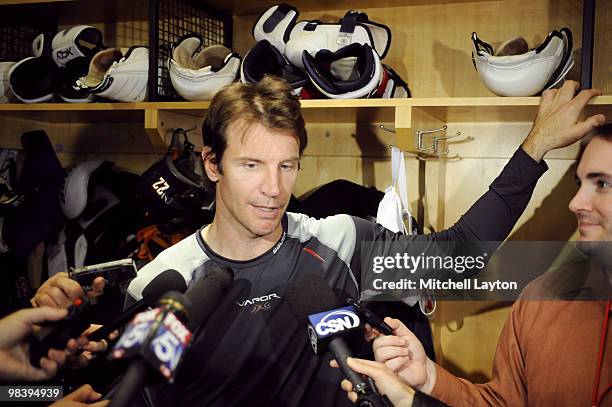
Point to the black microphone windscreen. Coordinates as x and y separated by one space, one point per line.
168 280
309 294
206 294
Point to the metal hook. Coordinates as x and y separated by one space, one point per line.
434 147
382 127
421 133
437 143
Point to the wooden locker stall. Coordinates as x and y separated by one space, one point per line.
431 51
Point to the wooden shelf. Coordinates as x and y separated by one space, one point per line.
477 109
75 112
403 114
496 109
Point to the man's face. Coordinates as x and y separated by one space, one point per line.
593 201
259 167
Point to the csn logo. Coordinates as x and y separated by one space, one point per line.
335 321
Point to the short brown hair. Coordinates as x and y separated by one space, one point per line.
603 131
270 102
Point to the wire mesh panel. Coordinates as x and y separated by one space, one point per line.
16 41
172 19
19 27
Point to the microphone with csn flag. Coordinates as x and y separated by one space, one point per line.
157 339
327 328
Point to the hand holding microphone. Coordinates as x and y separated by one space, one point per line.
71 291
387 382
404 355
325 330
94 338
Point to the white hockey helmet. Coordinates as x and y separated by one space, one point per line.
275 25
528 73
198 72
118 74
74 190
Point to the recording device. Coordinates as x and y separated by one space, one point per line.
158 338
114 272
325 330
168 280
55 334
370 317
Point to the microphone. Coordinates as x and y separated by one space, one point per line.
207 293
54 335
370 317
168 280
159 338
326 328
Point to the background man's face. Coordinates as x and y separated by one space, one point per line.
260 167
593 201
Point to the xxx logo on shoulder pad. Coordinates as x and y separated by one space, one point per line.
334 321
